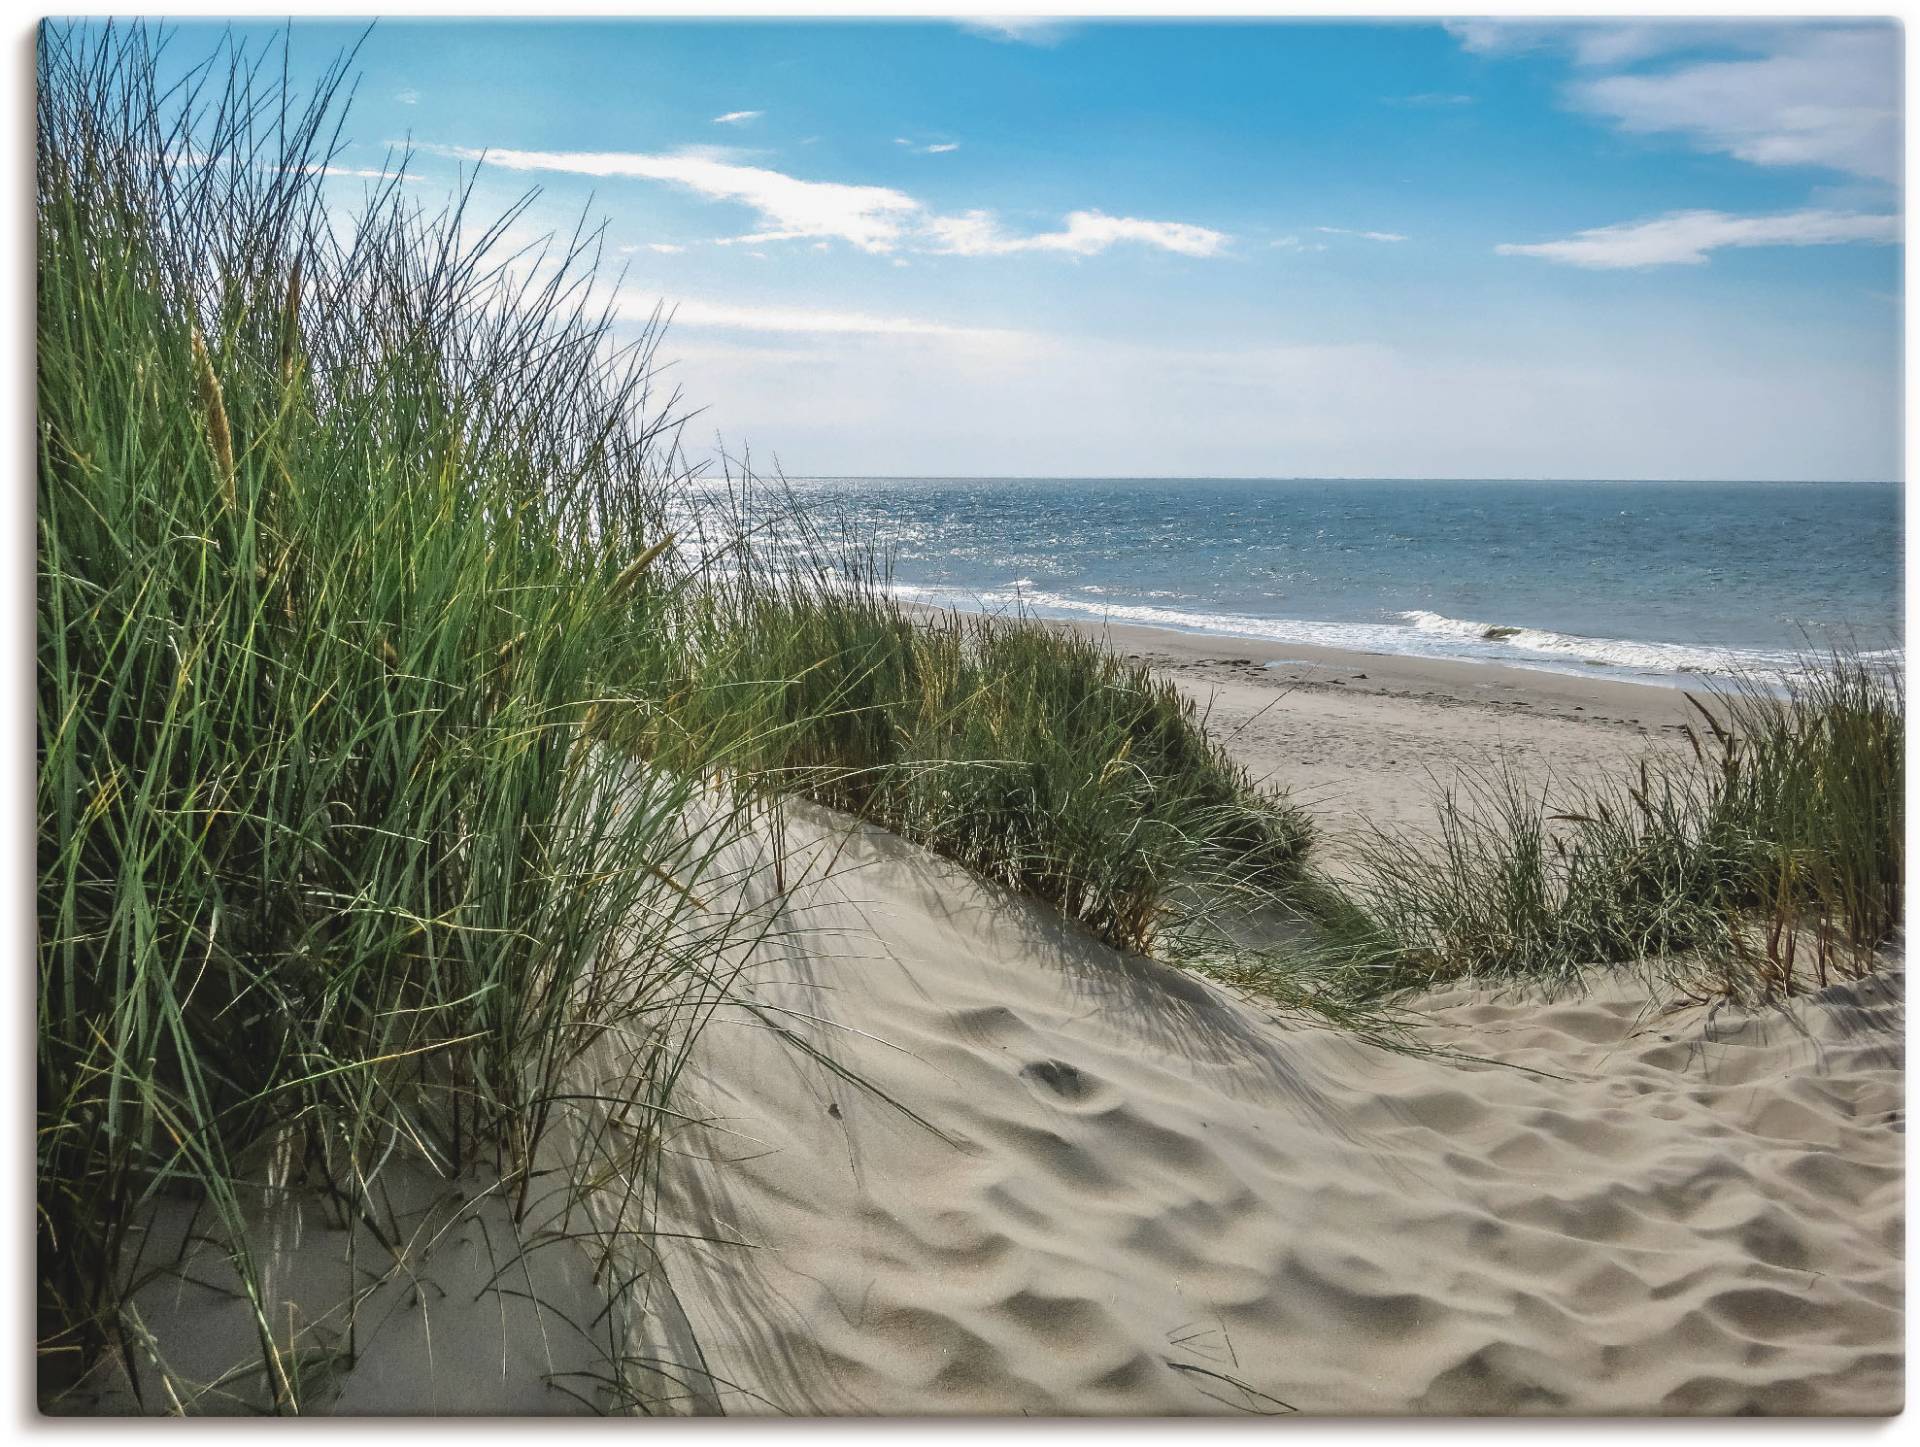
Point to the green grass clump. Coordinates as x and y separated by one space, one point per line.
1033 756
1766 858
338 534
1041 759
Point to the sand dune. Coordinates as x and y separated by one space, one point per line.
1129 1192
1072 1181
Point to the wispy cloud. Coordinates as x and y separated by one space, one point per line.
737 118
937 148
1768 93
1024 29
1685 238
876 219
1599 44
1363 235
976 233
407 97
1823 98
1432 99
1491 36
665 248
872 218
362 173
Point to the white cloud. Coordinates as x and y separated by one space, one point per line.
1026 29
1363 235
1599 44
938 148
1770 93
876 219
665 248
407 97
1609 45
977 233
364 173
1488 37
872 218
1684 238
737 118
1822 98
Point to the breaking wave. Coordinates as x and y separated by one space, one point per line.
1500 639
1414 632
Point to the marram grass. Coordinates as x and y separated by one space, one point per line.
1764 859
333 522
1037 758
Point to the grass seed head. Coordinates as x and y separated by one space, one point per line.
219 433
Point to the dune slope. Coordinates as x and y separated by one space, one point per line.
1128 1192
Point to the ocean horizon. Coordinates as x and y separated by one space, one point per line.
1665 581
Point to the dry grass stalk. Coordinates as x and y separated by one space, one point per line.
219 434
290 324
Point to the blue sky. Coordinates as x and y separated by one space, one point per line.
1359 249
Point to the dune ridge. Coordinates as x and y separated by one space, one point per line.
1130 1192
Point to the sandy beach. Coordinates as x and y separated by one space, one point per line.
1368 737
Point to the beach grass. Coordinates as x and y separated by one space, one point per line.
1764 859
1035 757
341 534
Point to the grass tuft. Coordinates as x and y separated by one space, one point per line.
1033 756
1765 859
330 510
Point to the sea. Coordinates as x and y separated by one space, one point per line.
1664 581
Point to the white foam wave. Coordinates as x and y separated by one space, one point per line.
1639 656
1412 632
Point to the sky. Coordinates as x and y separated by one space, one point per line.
1420 249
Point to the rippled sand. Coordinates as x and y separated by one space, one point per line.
1129 1192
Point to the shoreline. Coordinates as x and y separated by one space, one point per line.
1654 701
1370 740
1647 702
1657 663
